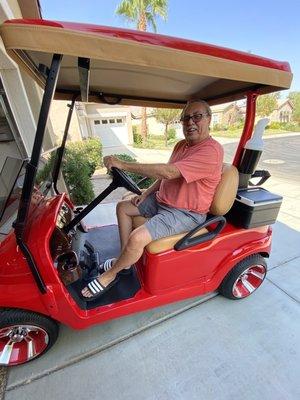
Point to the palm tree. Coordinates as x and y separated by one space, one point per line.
143 13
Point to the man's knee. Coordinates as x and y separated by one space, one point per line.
139 238
123 206
126 208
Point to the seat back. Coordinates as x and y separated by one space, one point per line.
226 190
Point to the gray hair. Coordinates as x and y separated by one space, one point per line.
203 102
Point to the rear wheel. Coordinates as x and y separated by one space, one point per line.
244 278
24 336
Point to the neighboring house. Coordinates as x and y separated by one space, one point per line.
20 96
228 113
154 127
112 124
283 112
58 116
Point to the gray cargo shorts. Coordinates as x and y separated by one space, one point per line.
167 221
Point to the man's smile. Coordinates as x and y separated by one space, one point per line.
192 129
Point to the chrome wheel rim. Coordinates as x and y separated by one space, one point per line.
249 281
21 343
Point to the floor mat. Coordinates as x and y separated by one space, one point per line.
106 241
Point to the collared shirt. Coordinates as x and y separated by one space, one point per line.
200 166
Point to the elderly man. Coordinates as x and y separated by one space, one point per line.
178 200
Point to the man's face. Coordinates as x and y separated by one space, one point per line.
196 130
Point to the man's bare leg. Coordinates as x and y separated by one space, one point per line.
125 211
138 239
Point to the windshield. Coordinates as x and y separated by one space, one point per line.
11 185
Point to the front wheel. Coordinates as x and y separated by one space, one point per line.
244 278
24 336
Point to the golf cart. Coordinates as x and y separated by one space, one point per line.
47 252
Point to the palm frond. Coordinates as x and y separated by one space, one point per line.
151 20
128 9
133 9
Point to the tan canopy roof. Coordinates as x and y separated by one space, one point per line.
133 67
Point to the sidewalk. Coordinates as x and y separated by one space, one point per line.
208 348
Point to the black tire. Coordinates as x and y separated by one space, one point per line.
228 285
41 325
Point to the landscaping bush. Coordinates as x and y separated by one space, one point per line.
44 172
236 125
78 165
137 137
77 171
273 125
135 177
171 134
91 149
219 127
291 127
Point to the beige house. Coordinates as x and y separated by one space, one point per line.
58 116
20 97
283 112
112 124
228 113
154 127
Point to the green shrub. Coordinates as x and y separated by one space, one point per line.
291 126
44 172
135 129
220 127
273 125
137 137
77 172
171 134
79 163
236 125
91 149
135 177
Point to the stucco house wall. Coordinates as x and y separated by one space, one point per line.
283 112
22 94
58 116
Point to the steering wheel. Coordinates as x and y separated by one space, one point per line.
121 179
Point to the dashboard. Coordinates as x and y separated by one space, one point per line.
60 242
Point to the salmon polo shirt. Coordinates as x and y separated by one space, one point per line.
201 167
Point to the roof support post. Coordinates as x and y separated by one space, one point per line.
248 127
32 166
84 77
61 149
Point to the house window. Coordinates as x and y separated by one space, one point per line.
104 121
119 120
97 122
215 118
111 121
6 134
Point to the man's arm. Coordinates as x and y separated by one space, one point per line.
153 188
158 171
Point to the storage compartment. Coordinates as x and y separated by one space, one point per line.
254 207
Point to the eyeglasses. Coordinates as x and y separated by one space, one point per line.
195 117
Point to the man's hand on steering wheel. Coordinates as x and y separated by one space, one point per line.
111 161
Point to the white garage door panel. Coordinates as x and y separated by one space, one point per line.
111 134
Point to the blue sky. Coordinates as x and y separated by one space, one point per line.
264 27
